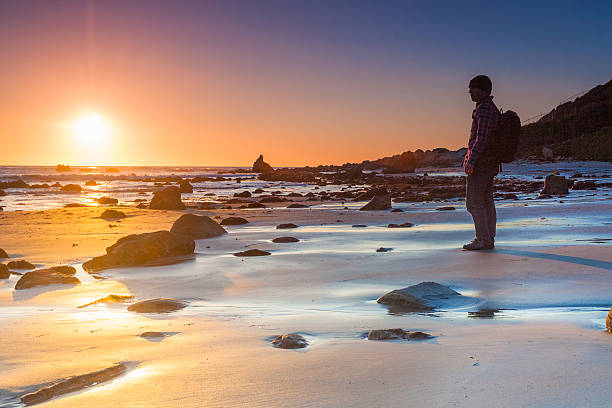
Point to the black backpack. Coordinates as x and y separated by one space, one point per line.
505 140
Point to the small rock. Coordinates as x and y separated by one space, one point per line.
107 200
286 226
91 183
72 188
296 205
415 297
252 252
381 249
358 225
483 313
73 384
285 239
397 210
244 194
446 208
234 221
21 264
112 214
159 305
255 205
402 225
290 341
380 201
49 276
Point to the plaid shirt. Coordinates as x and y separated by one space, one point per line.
484 120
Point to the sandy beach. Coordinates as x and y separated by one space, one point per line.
546 347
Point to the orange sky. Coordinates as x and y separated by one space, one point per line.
212 87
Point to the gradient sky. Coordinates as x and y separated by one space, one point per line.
302 82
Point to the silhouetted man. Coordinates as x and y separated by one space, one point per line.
480 167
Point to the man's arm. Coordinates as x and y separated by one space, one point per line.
486 119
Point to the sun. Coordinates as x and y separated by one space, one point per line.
91 129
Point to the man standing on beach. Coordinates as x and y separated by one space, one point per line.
480 167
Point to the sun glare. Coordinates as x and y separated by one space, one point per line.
91 129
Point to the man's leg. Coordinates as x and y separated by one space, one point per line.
491 214
475 199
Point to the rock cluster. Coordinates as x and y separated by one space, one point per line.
397 334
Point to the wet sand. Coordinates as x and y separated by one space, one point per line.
547 347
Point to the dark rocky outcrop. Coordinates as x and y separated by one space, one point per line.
112 214
585 185
609 321
399 163
290 341
167 199
19 183
555 185
73 384
197 227
159 305
62 167
286 226
3 254
421 297
281 240
72 188
380 201
4 271
49 276
252 252
234 221
397 334
21 264
260 166
142 249
582 118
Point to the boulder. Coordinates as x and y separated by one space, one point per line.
585 185
358 225
4 271
255 205
281 240
142 249
159 305
197 227
112 214
71 188
185 187
286 226
418 297
290 341
91 183
381 249
3 254
555 185
167 199
21 264
609 322
252 252
49 276
107 200
380 201
234 221
260 166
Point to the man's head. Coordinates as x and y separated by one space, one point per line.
480 87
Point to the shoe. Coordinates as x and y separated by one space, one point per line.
477 245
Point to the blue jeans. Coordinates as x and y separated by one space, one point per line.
479 200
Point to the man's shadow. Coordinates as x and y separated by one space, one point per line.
562 258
